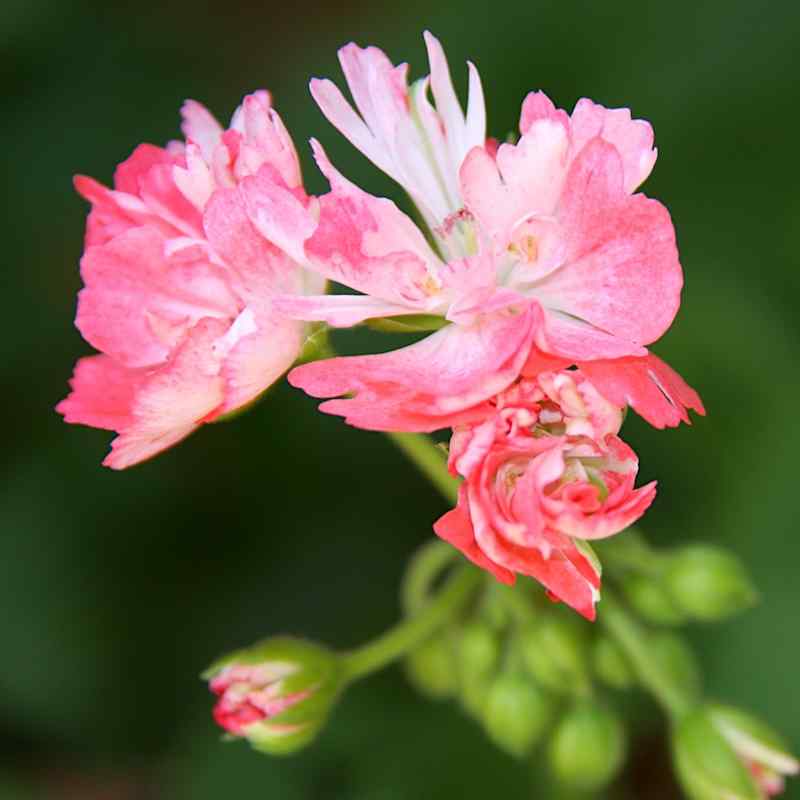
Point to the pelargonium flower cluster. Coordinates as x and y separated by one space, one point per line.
542 279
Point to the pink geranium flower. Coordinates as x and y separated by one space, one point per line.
178 283
540 243
544 473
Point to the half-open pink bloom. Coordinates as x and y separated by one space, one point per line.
536 243
179 283
543 474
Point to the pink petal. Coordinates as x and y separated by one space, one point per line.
368 244
128 175
622 278
427 385
633 138
174 400
278 214
130 285
455 527
536 106
648 385
102 393
261 267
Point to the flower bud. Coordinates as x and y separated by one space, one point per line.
651 600
678 661
707 765
708 583
276 694
588 747
478 652
761 750
610 664
517 713
555 652
432 668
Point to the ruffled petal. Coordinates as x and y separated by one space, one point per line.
137 300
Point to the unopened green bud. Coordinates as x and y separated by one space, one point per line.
708 583
588 747
707 765
554 650
277 694
610 664
478 653
432 668
651 600
762 750
517 713
478 649
677 660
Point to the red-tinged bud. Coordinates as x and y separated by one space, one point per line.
276 694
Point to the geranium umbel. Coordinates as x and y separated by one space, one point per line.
543 474
178 283
276 694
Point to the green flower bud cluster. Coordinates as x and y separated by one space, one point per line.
525 670
695 582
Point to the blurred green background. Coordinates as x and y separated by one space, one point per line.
117 589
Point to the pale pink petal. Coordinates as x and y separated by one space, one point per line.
259 357
266 141
524 180
200 126
195 181
338 310
131 285
174 400
648 385
102 393
633 138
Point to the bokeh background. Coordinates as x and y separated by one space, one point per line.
117 589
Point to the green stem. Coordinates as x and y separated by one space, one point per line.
633 640
424 568
430 460
407 635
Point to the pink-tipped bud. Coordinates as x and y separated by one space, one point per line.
276 694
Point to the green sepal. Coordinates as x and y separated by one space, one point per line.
407 323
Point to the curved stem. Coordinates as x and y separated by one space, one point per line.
430 460
412 632
423 569
633 640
